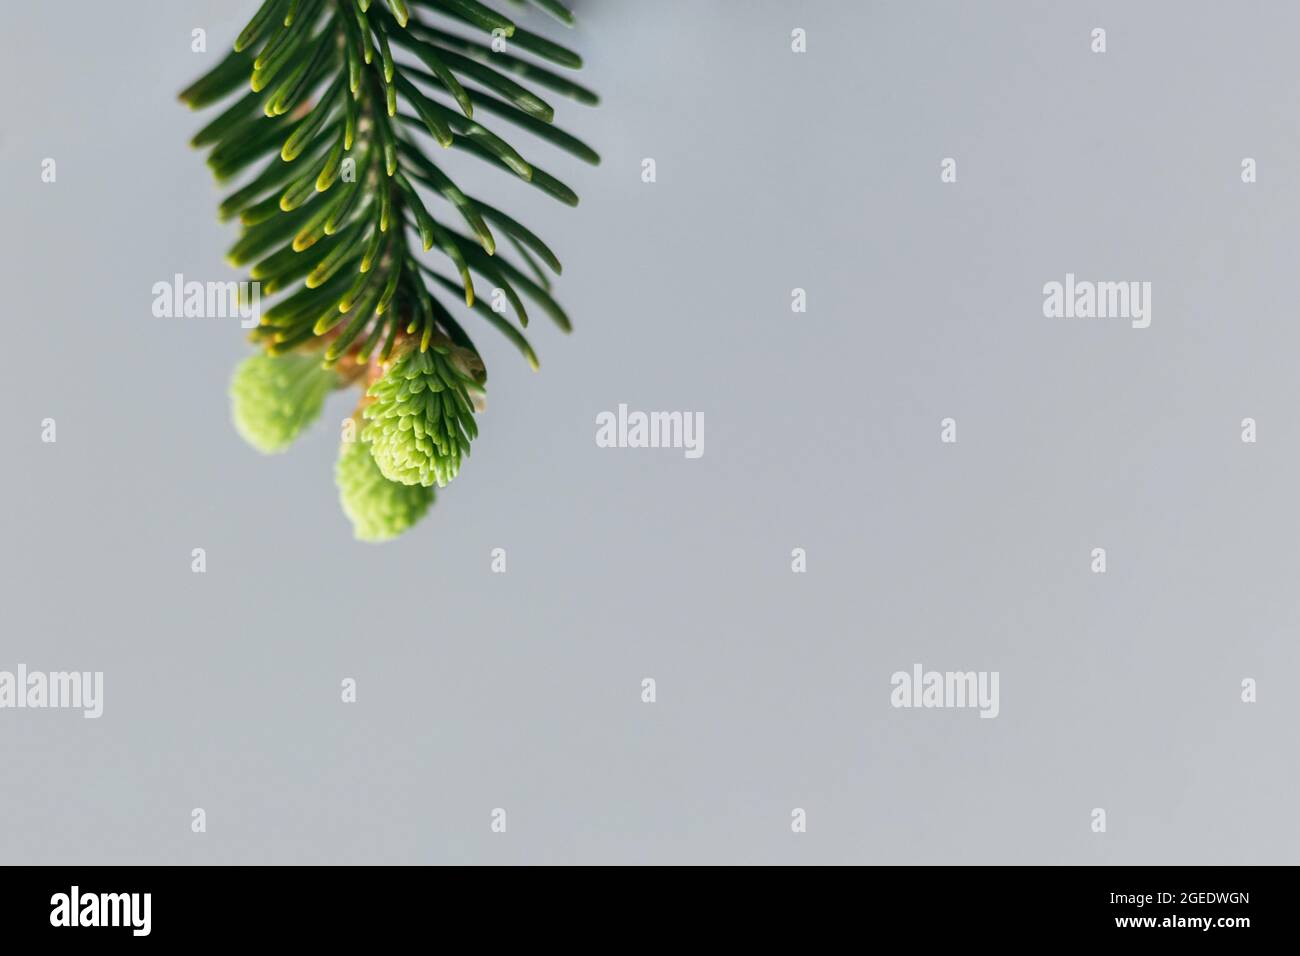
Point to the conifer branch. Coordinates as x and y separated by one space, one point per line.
336 189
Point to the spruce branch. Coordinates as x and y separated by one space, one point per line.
336 189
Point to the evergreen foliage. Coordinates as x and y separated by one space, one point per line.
327 107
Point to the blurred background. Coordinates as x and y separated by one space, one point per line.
522 690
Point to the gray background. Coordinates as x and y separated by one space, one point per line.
822 431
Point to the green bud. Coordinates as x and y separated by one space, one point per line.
379 509
273 398
422 418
